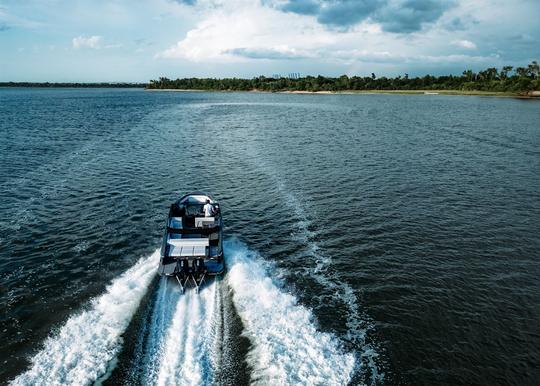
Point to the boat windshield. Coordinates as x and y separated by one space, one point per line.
193 210
195 199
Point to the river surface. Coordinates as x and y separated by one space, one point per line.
371 239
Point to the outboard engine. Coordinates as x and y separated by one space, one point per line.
182 273
196 272
199 271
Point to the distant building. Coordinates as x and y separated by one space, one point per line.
292 75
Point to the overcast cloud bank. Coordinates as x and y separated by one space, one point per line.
251 37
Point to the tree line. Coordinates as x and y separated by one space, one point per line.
507 79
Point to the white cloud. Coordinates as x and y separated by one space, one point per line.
260 33
464 44
246 38
239 31
87 42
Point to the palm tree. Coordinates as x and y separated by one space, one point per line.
534 69
504 72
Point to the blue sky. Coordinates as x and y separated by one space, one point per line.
127 40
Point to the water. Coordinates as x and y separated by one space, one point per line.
375 239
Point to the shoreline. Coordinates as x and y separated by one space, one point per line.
530 95
533 95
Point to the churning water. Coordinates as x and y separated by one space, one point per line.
371 239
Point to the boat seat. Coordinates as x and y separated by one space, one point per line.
175 222
201 222
187 247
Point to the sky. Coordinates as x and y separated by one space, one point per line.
139 40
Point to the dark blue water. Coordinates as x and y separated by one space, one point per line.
378 239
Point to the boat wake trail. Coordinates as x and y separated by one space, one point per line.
85 347
190 338
337 291
286 346
180 343
195 338
357 323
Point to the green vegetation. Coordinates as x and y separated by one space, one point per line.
507 80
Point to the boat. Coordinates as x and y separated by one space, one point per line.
192 247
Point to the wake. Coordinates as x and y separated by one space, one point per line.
88 343
287 348
187 341
179 348
186 338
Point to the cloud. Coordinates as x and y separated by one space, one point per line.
4 27
252 37
336 13
456 24
87 42
386 57
257 33
464 44
406 16
267 53
345 13
399 16
238 31
302 7
242 31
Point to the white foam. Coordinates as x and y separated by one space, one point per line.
82 350
188 351
357 327
287 348
167 298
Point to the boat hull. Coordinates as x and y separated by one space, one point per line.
192 247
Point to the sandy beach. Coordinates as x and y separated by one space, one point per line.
529 95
